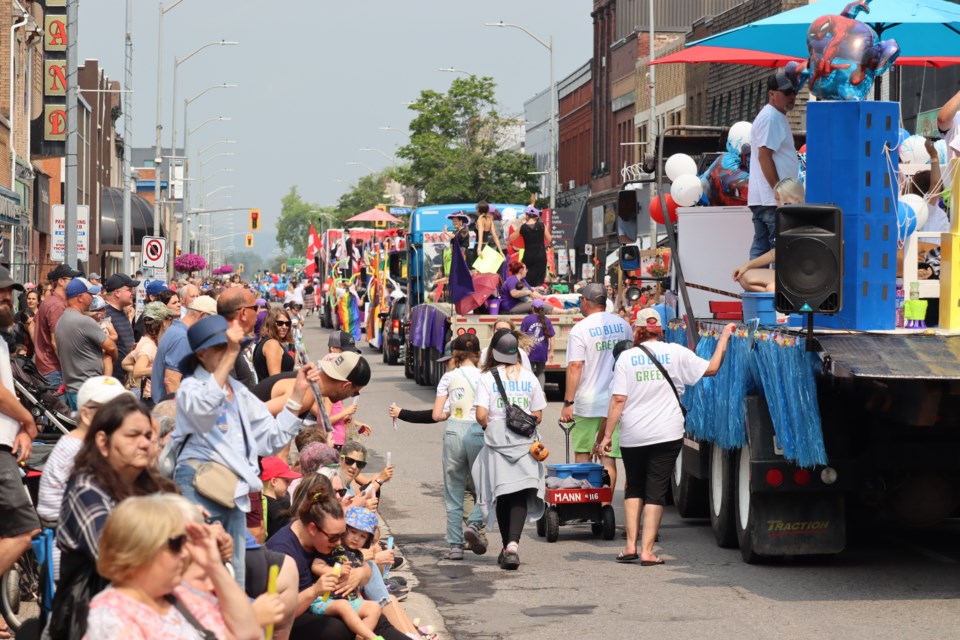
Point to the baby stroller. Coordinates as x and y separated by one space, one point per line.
50 412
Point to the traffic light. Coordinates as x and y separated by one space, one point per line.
254 223
178 252
240 268
249 240
283 267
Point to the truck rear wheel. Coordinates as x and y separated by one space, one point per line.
689 493
746 509
722 496
408 362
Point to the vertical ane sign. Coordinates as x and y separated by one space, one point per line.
58 244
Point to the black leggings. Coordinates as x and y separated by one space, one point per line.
511 515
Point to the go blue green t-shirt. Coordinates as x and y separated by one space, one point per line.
591 342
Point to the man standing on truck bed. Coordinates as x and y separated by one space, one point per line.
590 376
773 157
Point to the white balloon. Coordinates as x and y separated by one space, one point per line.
686 190
739 135
919 207
914 151
680 164
941 146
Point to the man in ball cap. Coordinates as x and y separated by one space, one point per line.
340 341
119 293
343 376
52 307
589 375
773 157
85 349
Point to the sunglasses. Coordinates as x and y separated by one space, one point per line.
789 92
283 323
252 307
360 464
176 543
332 538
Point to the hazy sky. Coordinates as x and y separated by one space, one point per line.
318 78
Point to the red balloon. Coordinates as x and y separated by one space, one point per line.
657 213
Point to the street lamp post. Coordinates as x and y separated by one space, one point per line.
213 144
361 164
159 151
392 160
454 70
400 131
553 106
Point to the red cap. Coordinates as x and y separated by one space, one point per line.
274 467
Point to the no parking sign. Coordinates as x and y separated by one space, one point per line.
154 252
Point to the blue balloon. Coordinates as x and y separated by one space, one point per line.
846 55
906 220
904 134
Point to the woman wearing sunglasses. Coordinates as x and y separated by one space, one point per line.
275 353
145 550
316 533
353 459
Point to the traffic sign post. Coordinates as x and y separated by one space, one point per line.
154 252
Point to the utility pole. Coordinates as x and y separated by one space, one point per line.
70 160
128 141
652 135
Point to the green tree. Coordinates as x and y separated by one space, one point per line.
455 152
276 262
296 216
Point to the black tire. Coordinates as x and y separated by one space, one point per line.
20 592
542 525
722 497
384 351
608 522
389 355
419 374
552 526
431 367
746 509
596 528
689 493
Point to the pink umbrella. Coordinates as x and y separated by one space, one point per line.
375 215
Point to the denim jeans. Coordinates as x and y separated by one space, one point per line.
764 230
376 588
462 442
54 379
233 520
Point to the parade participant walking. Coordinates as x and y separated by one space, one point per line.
773 157
647 384
119 293
221 421
81 343
52 307
509 481
589 373
462 441
536 239
538 326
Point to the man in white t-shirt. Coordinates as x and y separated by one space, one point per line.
948 122
773 157
18 520
589 374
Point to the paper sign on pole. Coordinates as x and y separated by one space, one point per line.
58 243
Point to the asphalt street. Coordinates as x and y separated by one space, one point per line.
890 582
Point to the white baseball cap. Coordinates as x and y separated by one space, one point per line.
101 390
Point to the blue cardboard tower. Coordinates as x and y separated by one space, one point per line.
852 162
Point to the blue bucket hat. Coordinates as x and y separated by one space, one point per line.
361 519
208 332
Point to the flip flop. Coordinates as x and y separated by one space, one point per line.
627 558
651 563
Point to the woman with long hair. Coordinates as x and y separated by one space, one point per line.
509 481
646 404
486 229
536 239
275 353
538 326
139 362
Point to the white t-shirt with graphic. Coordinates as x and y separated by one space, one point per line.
591 342
460 388
525 392
651 413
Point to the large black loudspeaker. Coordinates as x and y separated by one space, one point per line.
809 263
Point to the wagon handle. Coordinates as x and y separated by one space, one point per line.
567 428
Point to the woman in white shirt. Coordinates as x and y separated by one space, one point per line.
651 423
462 440
508 479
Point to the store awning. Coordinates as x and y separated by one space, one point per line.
111 220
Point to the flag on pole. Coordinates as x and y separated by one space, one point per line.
313 245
